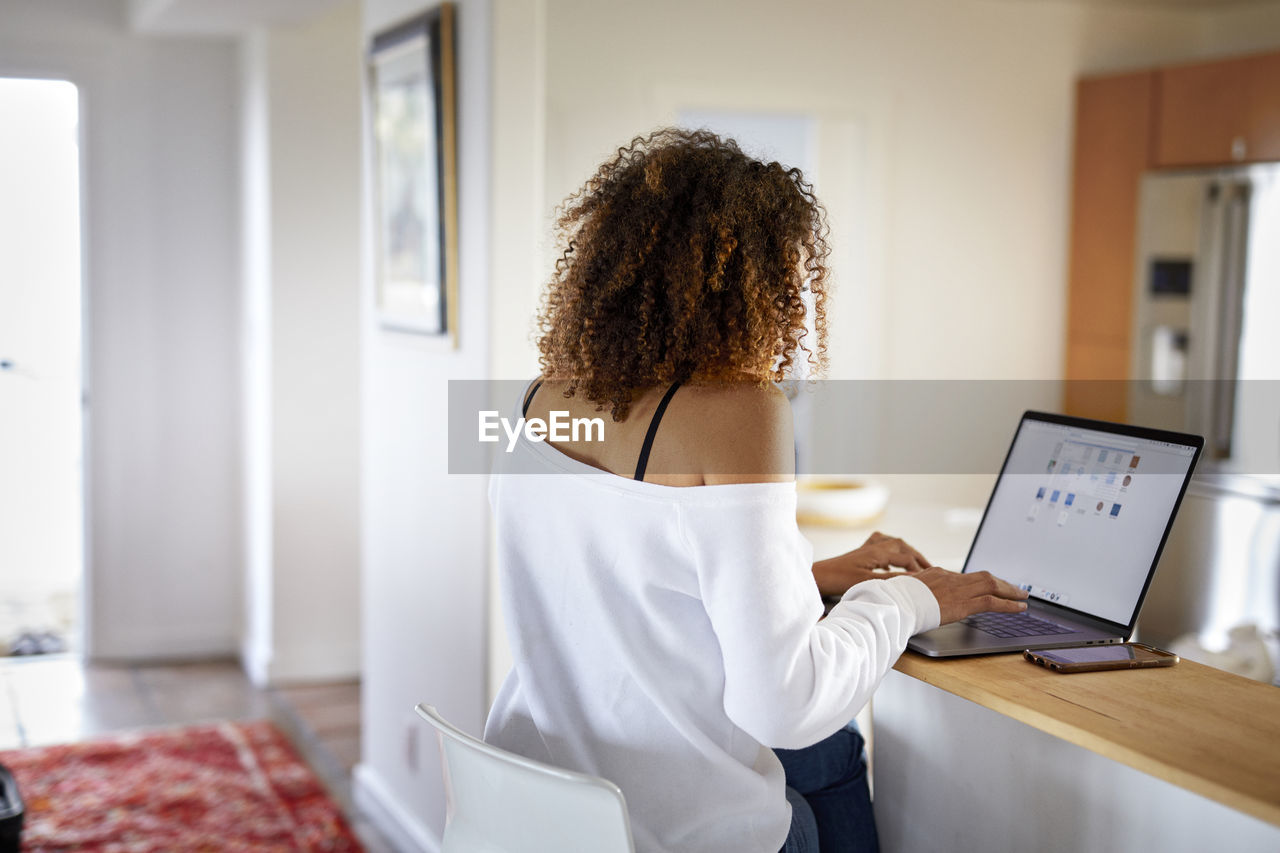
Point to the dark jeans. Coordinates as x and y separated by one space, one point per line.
830 800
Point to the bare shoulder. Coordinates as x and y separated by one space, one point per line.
737 432
751 403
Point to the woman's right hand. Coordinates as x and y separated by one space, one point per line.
963 594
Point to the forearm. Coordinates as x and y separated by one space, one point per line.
829 577
876 557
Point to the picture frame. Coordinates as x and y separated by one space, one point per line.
414 113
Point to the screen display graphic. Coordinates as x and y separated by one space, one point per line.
1078 515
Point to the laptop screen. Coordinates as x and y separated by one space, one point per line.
1079 513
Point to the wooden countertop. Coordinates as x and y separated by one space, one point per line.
1205 730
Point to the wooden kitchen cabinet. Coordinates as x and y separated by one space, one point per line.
1201 115
1264 109
1220 112
1112 150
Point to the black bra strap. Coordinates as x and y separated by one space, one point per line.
643 461
528 398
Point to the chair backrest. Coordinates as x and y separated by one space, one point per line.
498 802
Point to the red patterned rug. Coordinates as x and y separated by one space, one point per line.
225 786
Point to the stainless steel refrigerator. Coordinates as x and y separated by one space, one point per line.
1206 358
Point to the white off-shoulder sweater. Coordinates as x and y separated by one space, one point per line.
665 638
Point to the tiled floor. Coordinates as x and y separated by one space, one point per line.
59 699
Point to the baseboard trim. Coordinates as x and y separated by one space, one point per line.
162 643
267 667
375 801
256 663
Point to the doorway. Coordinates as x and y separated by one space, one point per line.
41 409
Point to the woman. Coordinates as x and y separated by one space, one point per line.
663 608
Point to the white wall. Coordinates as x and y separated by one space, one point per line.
1245 28
301 146
160 271
425 588
960 118
316 80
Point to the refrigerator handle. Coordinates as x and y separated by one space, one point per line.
1230 317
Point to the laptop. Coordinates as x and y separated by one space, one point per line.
1078 518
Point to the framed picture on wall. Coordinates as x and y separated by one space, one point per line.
411 68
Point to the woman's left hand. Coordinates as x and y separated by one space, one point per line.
877 554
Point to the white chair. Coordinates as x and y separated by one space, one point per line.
498 802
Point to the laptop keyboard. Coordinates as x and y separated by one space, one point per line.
1015 625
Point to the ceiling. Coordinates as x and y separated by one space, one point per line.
210 17
233 16
1189 5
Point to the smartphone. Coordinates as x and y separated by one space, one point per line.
1095 658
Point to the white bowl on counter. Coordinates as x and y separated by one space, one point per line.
839 501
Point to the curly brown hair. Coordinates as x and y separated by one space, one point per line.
684 259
